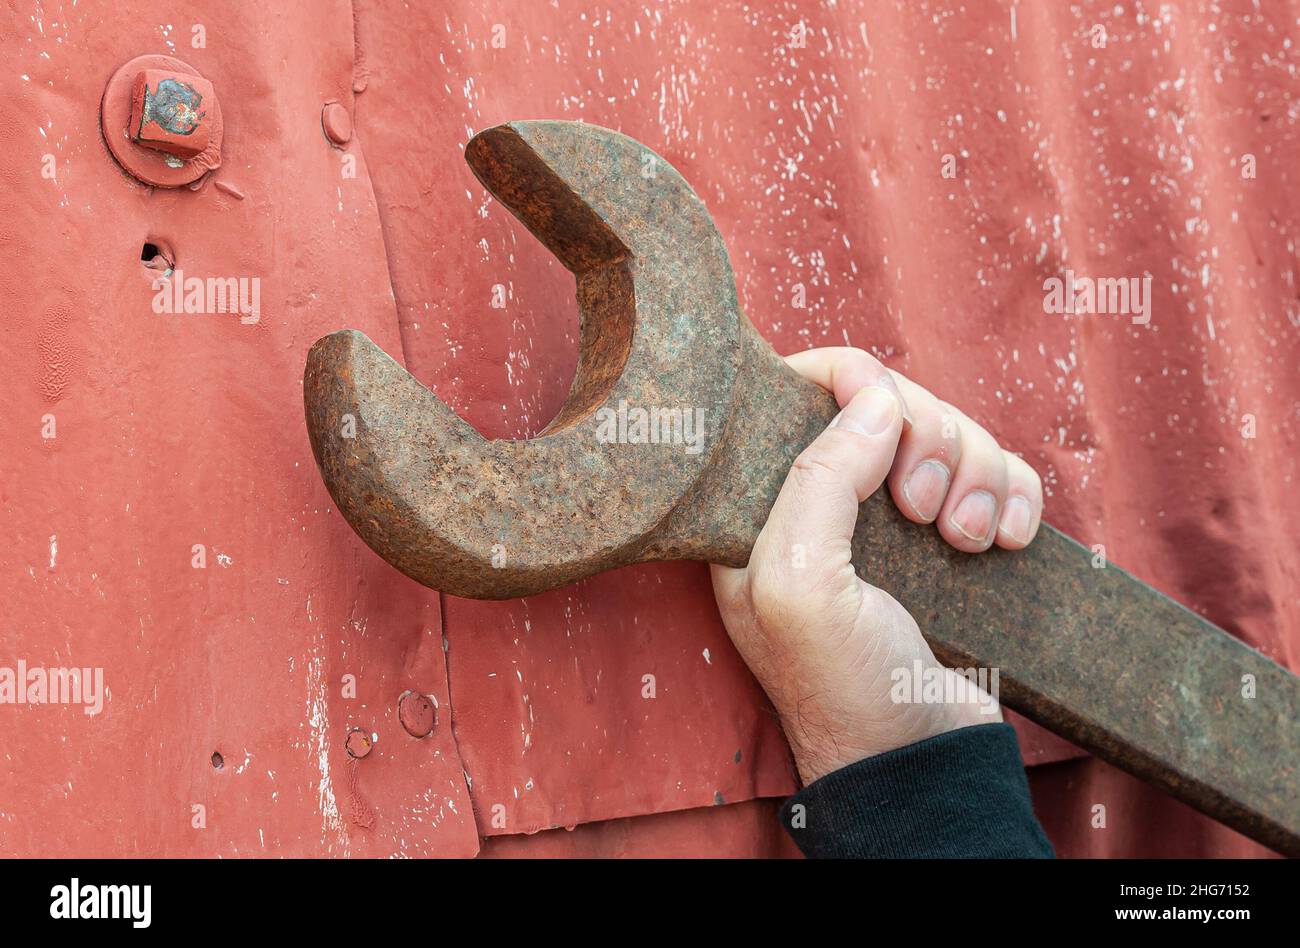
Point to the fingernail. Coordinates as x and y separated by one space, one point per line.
976 516
887 382
926 487
871 412
1017 517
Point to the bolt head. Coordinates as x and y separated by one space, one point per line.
170 112
336 122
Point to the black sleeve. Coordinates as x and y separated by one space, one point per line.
962 794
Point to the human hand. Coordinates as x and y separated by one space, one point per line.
823 643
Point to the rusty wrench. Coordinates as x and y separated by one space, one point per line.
1092 654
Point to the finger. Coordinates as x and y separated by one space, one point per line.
969 517
844 371
804 546
928 454
1023 510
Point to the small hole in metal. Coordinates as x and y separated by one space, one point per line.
155 257
217 761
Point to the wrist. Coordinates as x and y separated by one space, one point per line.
820 749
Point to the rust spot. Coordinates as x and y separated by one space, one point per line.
358 743
169 112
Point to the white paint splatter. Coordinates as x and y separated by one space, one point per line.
318 716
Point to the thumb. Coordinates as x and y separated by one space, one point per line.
806 541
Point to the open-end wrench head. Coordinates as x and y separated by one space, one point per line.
661 331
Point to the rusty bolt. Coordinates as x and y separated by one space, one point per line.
170 112
358 743
417 713
336 123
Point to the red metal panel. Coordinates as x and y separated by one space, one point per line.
823 167
176 430
746 830
618 697
1089 808
822 163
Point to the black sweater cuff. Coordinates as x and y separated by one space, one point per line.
961 794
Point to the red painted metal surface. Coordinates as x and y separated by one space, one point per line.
177 431
822 164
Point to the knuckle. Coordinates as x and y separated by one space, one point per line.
951 422
952 411
785 596
1026 478
935 431
861 357
885 611
856 364
983 462
817 467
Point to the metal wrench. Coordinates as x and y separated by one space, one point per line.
1093 654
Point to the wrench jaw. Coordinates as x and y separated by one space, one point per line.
452 510
361 439
662 336
607 323
425 491
540 171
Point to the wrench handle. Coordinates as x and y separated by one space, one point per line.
1082 647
